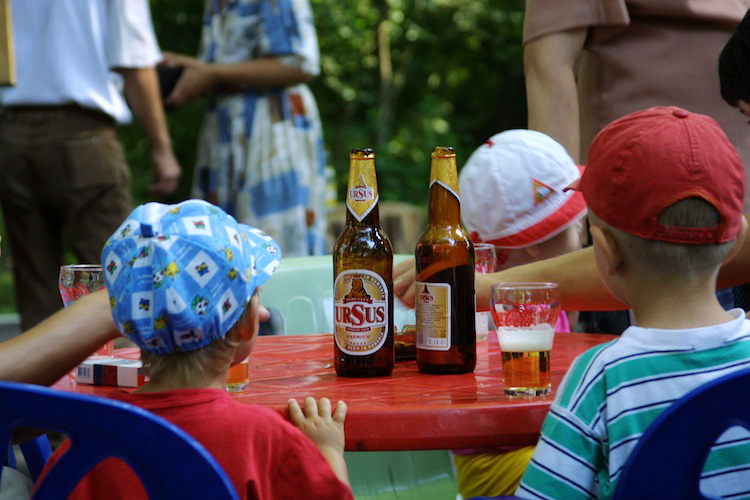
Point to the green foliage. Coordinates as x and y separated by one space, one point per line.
400 76
403 76
177 24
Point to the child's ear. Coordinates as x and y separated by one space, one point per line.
737 242
250 319
247 325
608 248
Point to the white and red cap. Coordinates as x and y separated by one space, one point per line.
513 190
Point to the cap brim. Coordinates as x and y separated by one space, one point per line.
266 252
573 186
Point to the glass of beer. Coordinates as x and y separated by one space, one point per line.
525 315
484 262
238 377
77 280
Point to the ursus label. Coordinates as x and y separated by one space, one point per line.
360 311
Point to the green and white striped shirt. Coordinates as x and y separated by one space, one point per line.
612 393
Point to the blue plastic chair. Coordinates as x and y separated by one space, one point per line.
669 457
170 463
302 291
35 453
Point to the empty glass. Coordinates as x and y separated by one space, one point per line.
484 262
77 280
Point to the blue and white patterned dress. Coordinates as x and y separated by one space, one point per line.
260 152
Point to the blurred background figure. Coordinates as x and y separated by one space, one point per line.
590 62
64 182
260 152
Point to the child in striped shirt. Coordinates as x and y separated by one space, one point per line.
664 188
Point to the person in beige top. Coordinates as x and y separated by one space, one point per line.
581 287
588 62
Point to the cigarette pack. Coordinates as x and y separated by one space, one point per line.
101 370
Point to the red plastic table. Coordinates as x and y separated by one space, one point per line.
408 410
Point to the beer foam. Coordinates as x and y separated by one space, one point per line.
526 338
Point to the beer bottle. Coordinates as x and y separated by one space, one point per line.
363 279
445 302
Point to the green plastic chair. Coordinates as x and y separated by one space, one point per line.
301 290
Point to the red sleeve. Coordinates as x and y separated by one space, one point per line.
109 478
544 17
51 461
304 472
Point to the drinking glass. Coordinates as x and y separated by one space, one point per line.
484 262
238 376
525 315
484 257
77 280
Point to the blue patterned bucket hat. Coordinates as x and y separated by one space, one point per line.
180 276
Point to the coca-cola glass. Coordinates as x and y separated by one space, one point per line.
77 280
525 315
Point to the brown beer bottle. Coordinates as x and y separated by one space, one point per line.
446 329
363 279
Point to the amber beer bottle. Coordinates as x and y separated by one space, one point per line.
363 279
446 329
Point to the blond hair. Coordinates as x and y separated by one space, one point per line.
676 258
186 366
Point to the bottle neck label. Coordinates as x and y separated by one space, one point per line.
362 193
443 172
361 311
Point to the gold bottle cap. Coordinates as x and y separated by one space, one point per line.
362 154
443 152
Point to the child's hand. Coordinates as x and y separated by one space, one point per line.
404 279
323 429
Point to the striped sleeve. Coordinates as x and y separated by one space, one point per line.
569 452
565 461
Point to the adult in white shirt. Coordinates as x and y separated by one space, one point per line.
64 182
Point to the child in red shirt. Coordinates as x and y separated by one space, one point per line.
183 283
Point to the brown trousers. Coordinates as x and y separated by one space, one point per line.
64 187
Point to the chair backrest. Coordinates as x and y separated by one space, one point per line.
170 463
669 457
301 290
35 453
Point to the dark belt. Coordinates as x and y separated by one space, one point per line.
61 110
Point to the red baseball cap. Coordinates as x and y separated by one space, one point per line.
646 161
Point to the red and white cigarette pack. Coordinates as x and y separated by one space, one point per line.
103 370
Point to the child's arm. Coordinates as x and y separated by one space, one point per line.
324 429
